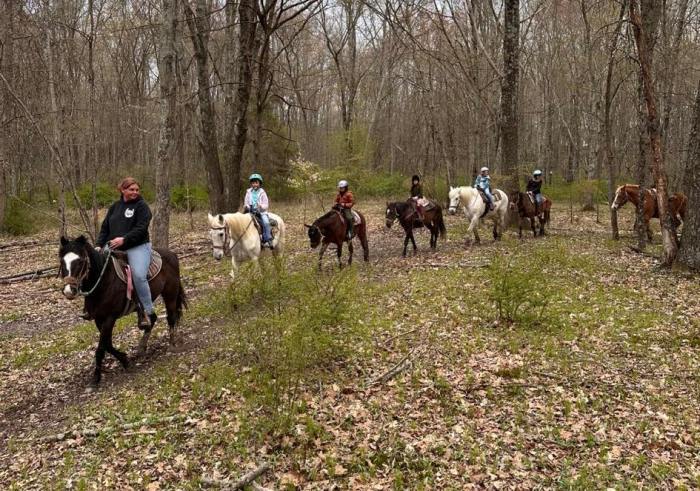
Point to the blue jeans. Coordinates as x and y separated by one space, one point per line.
267 236
139 260
487 192
539 198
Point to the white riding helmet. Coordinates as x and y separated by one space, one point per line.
343 184
484 169
537 173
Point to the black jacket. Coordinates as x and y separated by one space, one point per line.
129 220
416 191
534 186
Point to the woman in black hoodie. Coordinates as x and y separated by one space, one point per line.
126 228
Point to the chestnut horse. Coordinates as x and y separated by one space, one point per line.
526 209
89 273
331 228
407 215
678 204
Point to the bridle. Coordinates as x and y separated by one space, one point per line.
77 280
225 249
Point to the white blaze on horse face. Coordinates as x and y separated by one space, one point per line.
217 239
68 261
454 200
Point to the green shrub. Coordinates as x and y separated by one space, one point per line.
518 287
189 198
105 193
19 219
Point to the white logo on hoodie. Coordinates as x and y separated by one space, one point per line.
129 213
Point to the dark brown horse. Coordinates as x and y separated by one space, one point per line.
91 274
678 204
407 214
527 209
331 229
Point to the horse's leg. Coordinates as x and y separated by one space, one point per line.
650 234
365 244
324 246
413 241
405 243
542 222
532 226
106 326
234 267
340 253
143 344
350 251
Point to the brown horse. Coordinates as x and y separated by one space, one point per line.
526 209
408 217
91 274
678 204
331 228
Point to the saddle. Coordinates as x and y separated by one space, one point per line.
121 267
496 196
257 220
426 203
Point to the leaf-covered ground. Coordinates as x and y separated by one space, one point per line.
417 383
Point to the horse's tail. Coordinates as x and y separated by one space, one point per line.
181 301
441 224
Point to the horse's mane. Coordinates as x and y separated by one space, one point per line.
238 223
325 216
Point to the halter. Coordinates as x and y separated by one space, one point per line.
76 281
226 251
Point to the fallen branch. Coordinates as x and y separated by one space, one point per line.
392 338
19 244
402 365
244 480
93 432
29 275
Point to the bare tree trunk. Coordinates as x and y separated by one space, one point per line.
92 148
607 136
653 128
509 95
167 146
689 252
199 26
3 189
237 135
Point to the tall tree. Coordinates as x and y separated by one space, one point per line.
167 146
654 131
689 252
509 94
238 130
199 26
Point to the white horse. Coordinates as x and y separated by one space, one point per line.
236 234
473 205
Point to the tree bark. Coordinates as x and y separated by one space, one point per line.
167 146
607 131
238 130
689 252
509 95
199 26
653 129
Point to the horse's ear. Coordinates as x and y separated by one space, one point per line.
64 240
210 216
307 226
81 239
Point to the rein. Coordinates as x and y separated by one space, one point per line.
227 237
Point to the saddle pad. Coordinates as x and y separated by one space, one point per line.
425 203
531 196
356 220
153 269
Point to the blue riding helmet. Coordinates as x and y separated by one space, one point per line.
255 177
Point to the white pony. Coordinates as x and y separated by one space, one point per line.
473 204
236 234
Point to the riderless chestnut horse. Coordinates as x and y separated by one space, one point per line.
331 228
678 204
526 209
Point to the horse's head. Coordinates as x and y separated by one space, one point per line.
515 198
620 198
391 214
218 233
75 264
454 200
315 235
